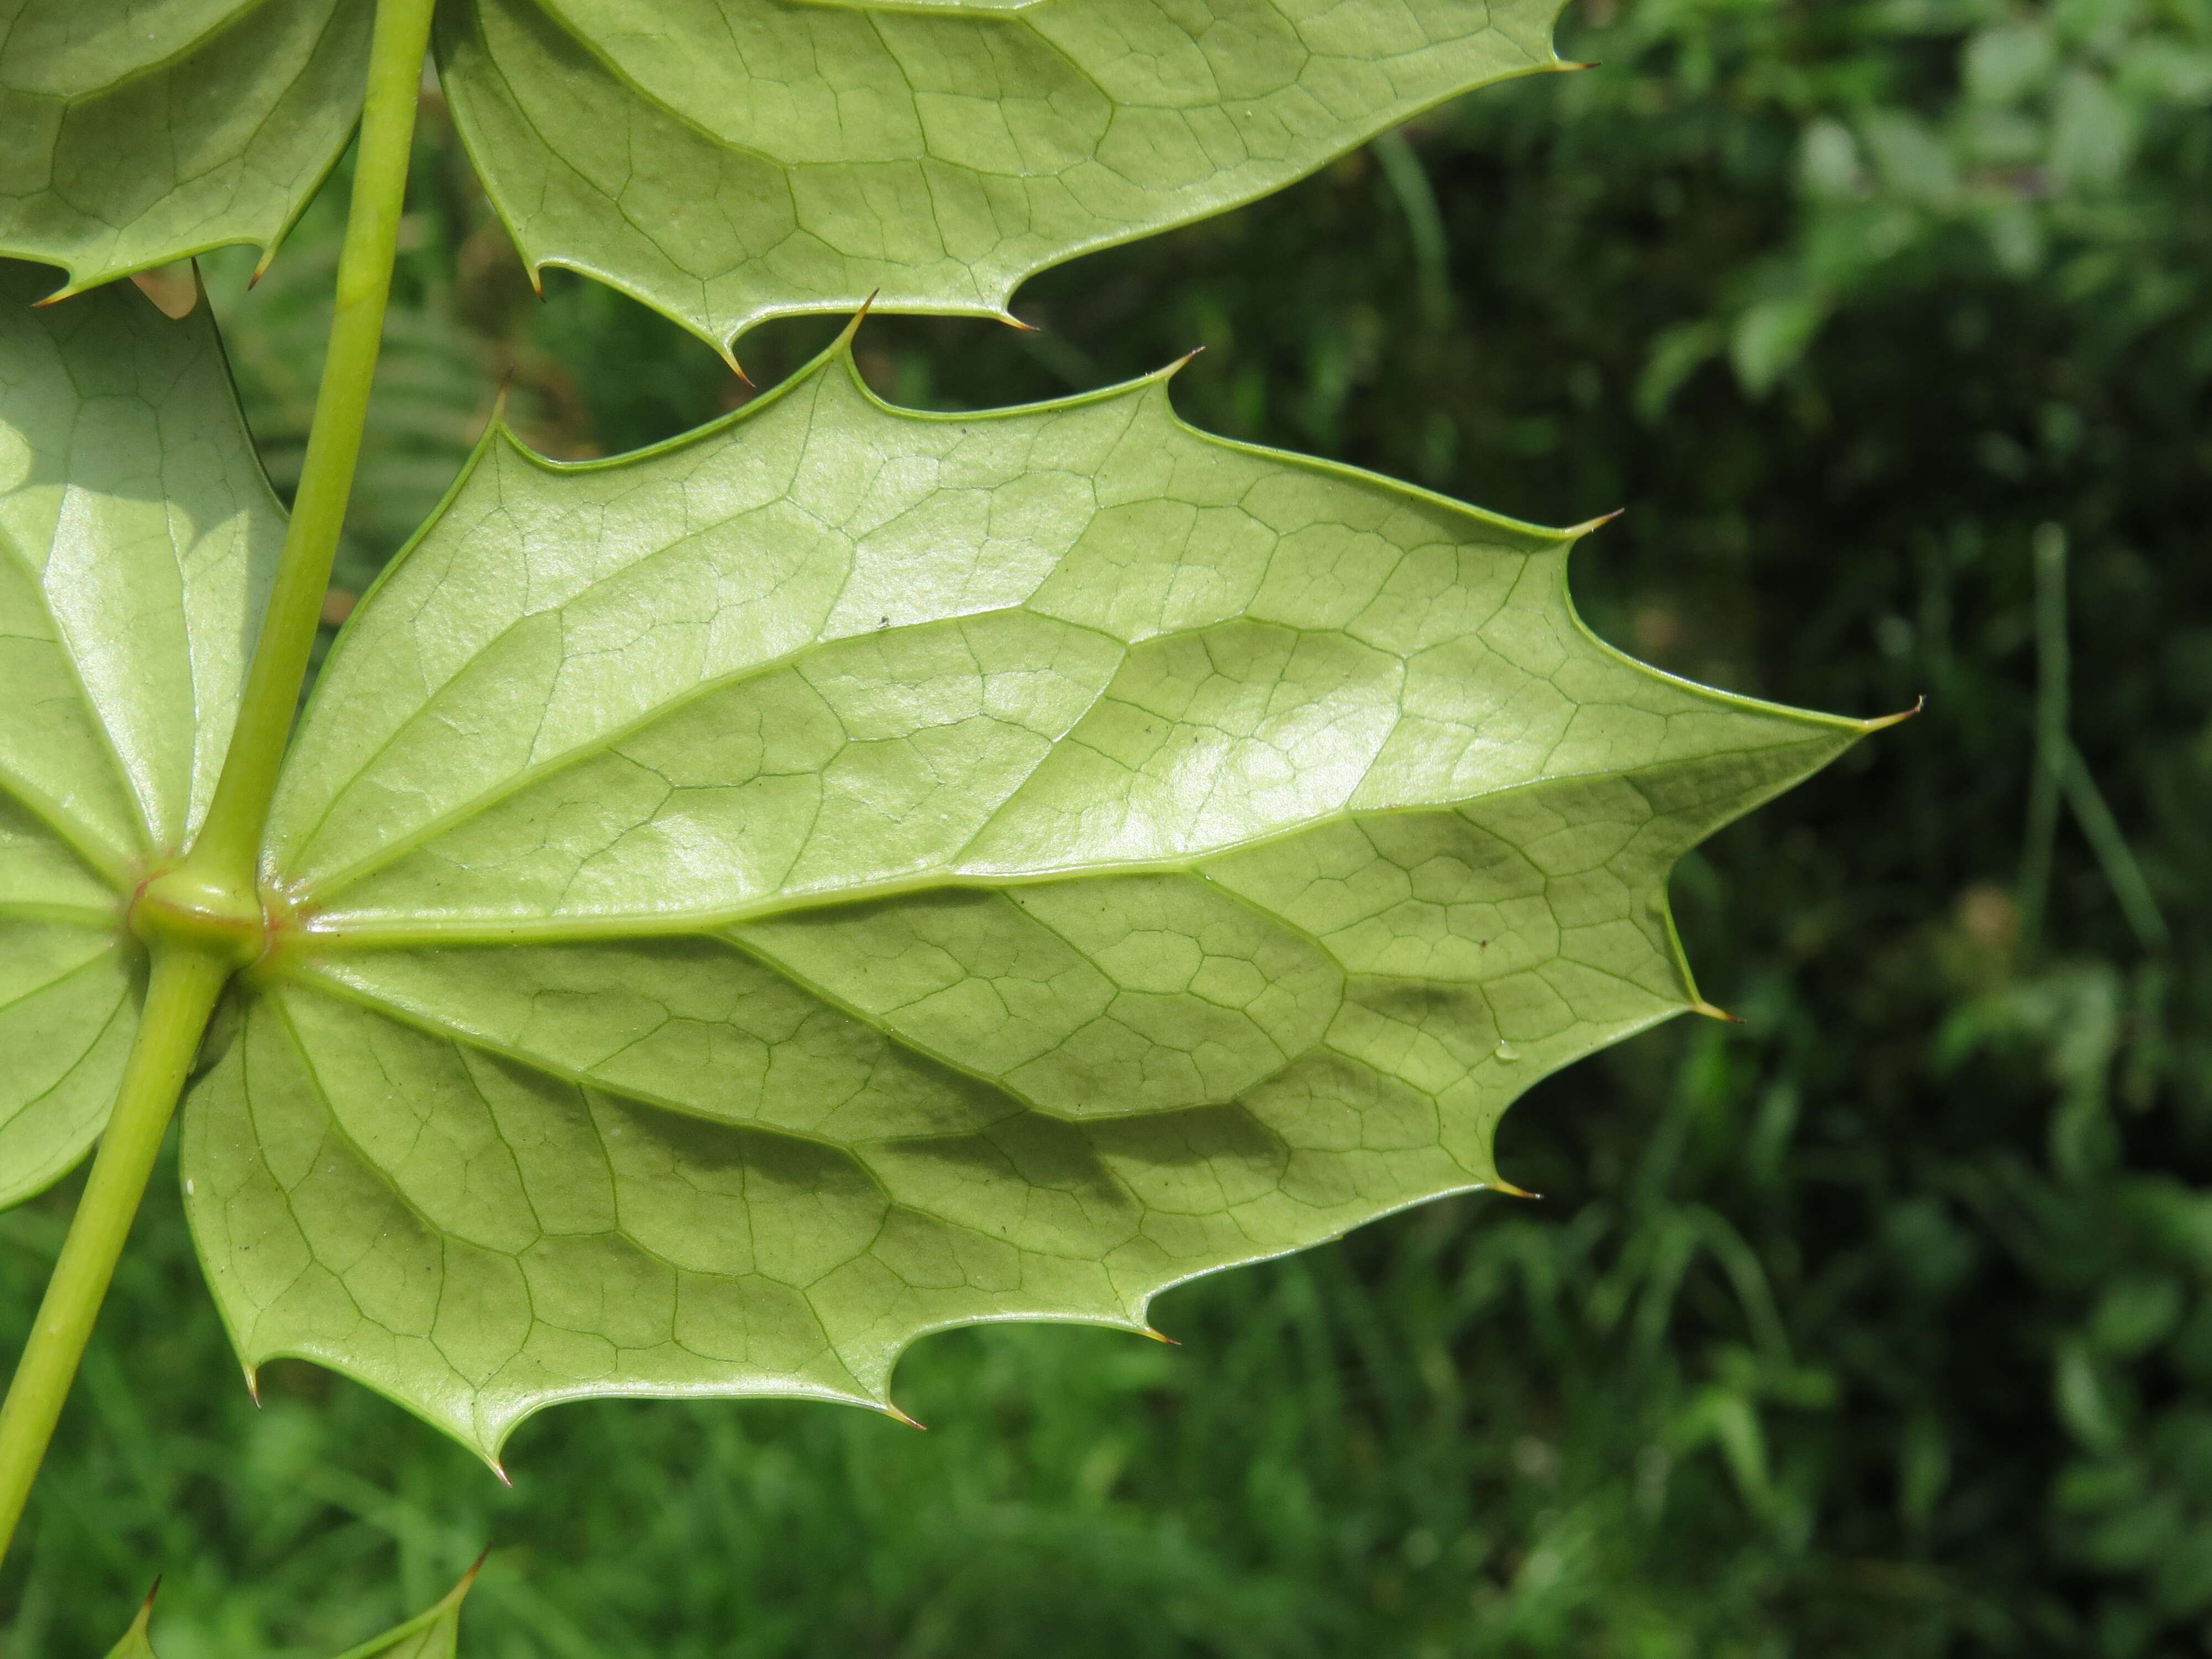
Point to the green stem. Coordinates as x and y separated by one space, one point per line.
203 918
225 854
178 999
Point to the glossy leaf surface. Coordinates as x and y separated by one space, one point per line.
137 131
726 160
137 535
851 873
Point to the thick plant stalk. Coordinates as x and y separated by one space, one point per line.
185 982
203 919
224 854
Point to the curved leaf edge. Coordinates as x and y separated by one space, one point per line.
535 265
78 280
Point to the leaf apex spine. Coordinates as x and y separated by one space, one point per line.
846 335
1500 1184
898 1415
1577 532
1882 722
1160 1336
1701 1006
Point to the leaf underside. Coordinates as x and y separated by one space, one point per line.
728 161
132 134
851 873
137 539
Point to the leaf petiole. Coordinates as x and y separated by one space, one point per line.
225 854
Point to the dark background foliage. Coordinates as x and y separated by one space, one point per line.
1880 1323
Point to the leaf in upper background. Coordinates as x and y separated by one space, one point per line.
850 872
430 1634
133 132
136 538
728 161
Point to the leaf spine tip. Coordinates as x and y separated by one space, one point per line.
1160 1336
1880 722
1180 363
1701 1006
845 336
1012 321
269 258
1500 1184
897 1415
499 1469
1577 532
253 1385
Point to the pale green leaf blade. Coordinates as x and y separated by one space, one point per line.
851 873
727 161
830 648
136 538
68 1004
136 134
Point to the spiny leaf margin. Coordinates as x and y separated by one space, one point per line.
394 1136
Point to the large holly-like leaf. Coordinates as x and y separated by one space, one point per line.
133 132
851 873
731 160
137 537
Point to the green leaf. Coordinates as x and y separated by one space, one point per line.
727 161
133 132
430 1634
850 872
136 538
134 1643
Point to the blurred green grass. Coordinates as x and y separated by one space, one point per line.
1877 1324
